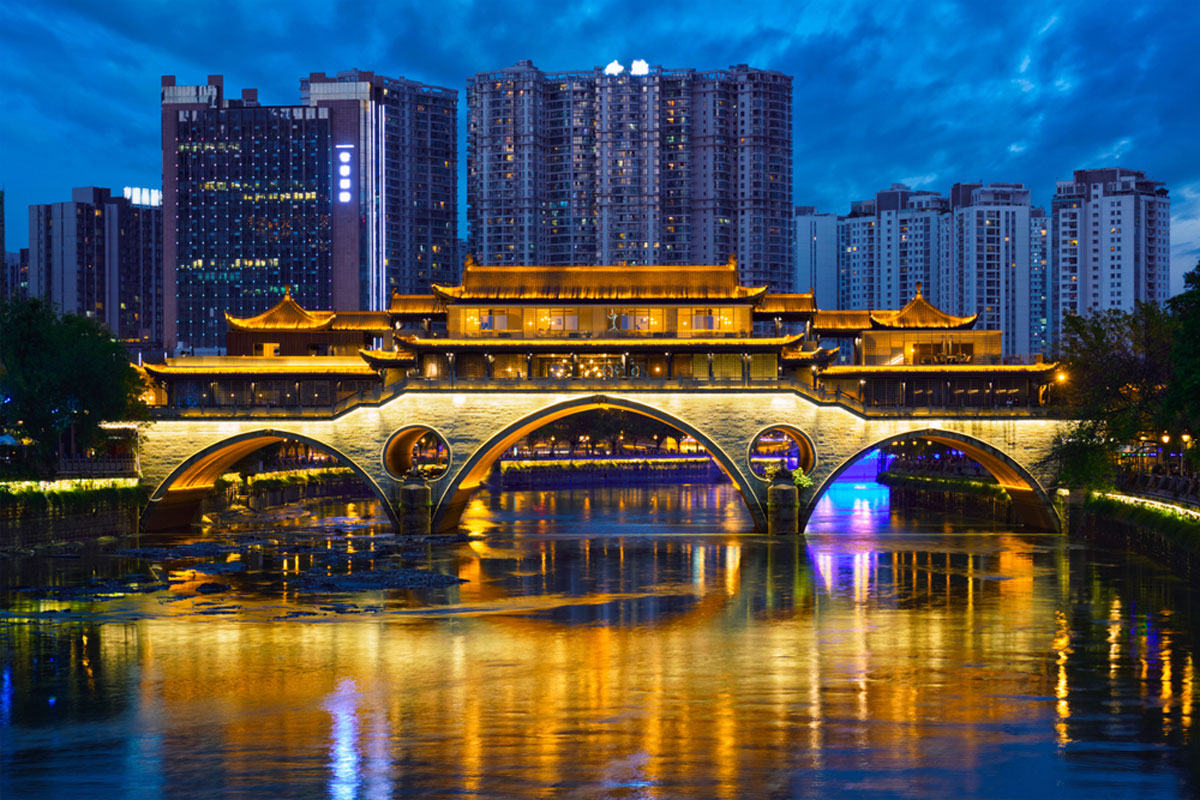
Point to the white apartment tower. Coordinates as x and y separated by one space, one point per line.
1039 282
1110 243
889 245
638 166
991 265
816 248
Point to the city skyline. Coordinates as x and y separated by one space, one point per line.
1075 86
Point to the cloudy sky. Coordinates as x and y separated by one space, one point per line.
923 93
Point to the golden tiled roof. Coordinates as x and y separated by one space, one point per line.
388 358
252 366
841 321
798 353
425 304
783 304
599 283
920 313
850 370
375 321
286 315
613 344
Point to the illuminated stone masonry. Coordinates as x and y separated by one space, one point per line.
182 457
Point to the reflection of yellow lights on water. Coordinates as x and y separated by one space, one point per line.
825 567
1114 638
1166 690
733 563
1062 691
1185 694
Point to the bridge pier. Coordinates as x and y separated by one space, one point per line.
416 508
783 506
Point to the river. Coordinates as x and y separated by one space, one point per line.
612 642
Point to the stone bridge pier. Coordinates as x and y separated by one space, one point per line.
181 458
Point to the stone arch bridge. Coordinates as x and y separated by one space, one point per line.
182 457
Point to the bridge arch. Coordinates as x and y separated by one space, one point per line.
177 497
1032 505
466 479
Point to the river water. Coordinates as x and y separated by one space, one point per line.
626 643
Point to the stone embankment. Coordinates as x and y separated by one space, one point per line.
972 497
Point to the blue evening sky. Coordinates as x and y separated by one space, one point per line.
924 93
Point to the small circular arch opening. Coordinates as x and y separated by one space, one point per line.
416 446
780 445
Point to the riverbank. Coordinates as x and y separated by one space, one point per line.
973 498
63 515
1160 530
52 514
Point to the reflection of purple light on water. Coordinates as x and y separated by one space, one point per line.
343 749
6 696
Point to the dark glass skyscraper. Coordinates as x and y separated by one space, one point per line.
344 198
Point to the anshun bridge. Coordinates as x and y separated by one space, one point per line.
483 364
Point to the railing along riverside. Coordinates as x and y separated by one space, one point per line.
1182 489
103 467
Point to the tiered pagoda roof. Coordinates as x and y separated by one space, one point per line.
917 314
288 315
920 314
705 283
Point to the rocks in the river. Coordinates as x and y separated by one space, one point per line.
193 550
218 567
396 578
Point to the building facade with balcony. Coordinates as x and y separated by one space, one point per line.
534 328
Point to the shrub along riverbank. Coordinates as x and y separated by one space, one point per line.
954 485
76 496
1178 527
973 498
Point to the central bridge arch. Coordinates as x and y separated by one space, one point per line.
1032 505
177 497
474 471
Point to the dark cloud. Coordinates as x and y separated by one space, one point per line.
923 91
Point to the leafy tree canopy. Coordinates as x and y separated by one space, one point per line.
1185 390
58 371
1119 367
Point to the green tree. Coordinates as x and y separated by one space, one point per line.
61 371
1119 367
1184 394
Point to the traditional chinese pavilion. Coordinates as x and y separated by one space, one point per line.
682 326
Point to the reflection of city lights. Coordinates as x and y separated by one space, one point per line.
343 745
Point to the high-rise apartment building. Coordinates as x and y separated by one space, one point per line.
889 245
645 166
5 280
345 197
100 255
816 255
990 270
1039 282
1110 242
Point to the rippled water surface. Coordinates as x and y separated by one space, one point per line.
606 643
